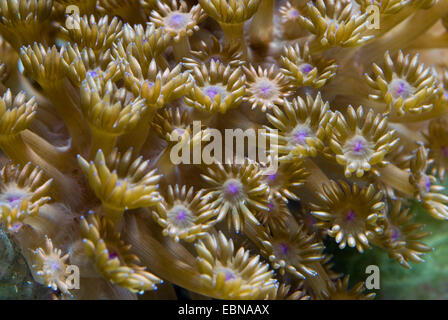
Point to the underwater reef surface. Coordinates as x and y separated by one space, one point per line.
225 149
16 281
429 279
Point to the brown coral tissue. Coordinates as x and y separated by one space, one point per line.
346 100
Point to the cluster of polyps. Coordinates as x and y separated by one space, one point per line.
354 117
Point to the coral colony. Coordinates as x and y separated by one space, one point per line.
96 95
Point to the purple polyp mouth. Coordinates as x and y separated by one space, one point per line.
16 227
306 68
233 189
13 199
181 215
92 74
271 205
350 216
301 136
229 275
283 248
400 88
394 234
444 151
55 266
211 92
428 184
295 13
265 91
272 177
358 146
179 132
112 254
177 21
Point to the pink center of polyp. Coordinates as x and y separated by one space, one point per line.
12 199
271 205
350 216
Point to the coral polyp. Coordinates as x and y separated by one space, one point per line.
222 149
